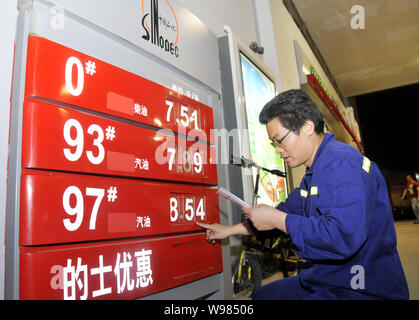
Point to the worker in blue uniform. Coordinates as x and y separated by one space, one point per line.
340 218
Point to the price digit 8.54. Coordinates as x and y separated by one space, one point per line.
192 207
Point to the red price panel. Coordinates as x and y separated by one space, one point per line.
59 73
126 269
59 138
61 207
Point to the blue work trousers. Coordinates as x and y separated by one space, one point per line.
292 289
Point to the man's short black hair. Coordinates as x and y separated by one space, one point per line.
293 108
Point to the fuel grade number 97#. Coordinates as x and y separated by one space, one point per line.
59 207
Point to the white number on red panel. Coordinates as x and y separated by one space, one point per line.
74 137
74 65
73 195
193 208
189 160
182 114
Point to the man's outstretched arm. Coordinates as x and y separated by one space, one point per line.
218 231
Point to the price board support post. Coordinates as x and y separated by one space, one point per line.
85 128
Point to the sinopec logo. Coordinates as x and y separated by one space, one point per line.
160 26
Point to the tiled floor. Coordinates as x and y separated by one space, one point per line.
408 246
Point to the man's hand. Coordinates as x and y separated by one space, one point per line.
218 231
265 217
215 231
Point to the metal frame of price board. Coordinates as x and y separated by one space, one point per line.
189 89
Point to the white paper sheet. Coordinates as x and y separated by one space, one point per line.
229 196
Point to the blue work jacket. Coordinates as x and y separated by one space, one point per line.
340 220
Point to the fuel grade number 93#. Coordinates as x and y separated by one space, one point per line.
61 138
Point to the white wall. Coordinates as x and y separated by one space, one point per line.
285 31
267 38
238 14
250 20
8 11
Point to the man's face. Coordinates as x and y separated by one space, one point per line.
294 149
409 178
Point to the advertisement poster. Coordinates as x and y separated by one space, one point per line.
258 90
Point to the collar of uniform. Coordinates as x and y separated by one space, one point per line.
326 139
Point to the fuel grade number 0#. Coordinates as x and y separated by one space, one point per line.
58 73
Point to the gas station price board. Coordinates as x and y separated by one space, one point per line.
115 171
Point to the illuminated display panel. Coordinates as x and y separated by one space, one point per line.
258 90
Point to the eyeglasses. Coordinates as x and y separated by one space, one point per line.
278 142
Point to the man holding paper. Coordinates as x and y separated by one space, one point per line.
340 218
